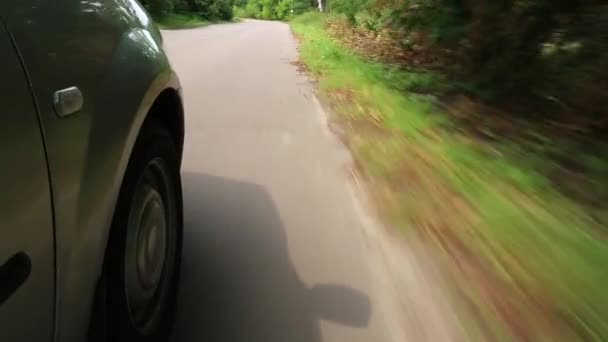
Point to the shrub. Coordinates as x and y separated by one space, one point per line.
206 9
283 9
158 7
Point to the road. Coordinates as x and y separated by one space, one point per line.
275 245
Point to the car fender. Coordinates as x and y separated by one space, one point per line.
139 71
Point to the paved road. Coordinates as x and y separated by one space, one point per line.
274 243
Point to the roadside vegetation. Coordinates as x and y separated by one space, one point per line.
180 14
481 126
272 9
175 21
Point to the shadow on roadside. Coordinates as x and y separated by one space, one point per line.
238 283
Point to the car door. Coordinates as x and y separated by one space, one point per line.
26 221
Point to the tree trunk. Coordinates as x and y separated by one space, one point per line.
320 2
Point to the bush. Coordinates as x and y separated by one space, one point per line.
272 9
205 9
283 9
349 7
225 11
158 7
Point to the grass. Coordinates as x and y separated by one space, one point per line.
526 261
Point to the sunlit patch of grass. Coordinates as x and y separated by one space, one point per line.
532 261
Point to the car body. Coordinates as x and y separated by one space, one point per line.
79 81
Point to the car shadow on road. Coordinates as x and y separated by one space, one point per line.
238 283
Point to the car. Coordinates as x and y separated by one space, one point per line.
91 140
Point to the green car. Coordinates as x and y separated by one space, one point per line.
91 137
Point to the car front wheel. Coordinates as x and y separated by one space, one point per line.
144 250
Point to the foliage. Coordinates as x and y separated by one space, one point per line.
180 21
348 7
552 49
206 10
268 9
225 11
283 9
158 7
272 9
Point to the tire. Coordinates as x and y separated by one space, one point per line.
143 257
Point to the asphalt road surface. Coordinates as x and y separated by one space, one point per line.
275 244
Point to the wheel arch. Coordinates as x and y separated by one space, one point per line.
169 110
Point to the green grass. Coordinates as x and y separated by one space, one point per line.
175 21
545 252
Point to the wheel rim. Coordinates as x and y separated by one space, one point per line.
150 247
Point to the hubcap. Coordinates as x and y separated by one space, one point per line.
151 243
